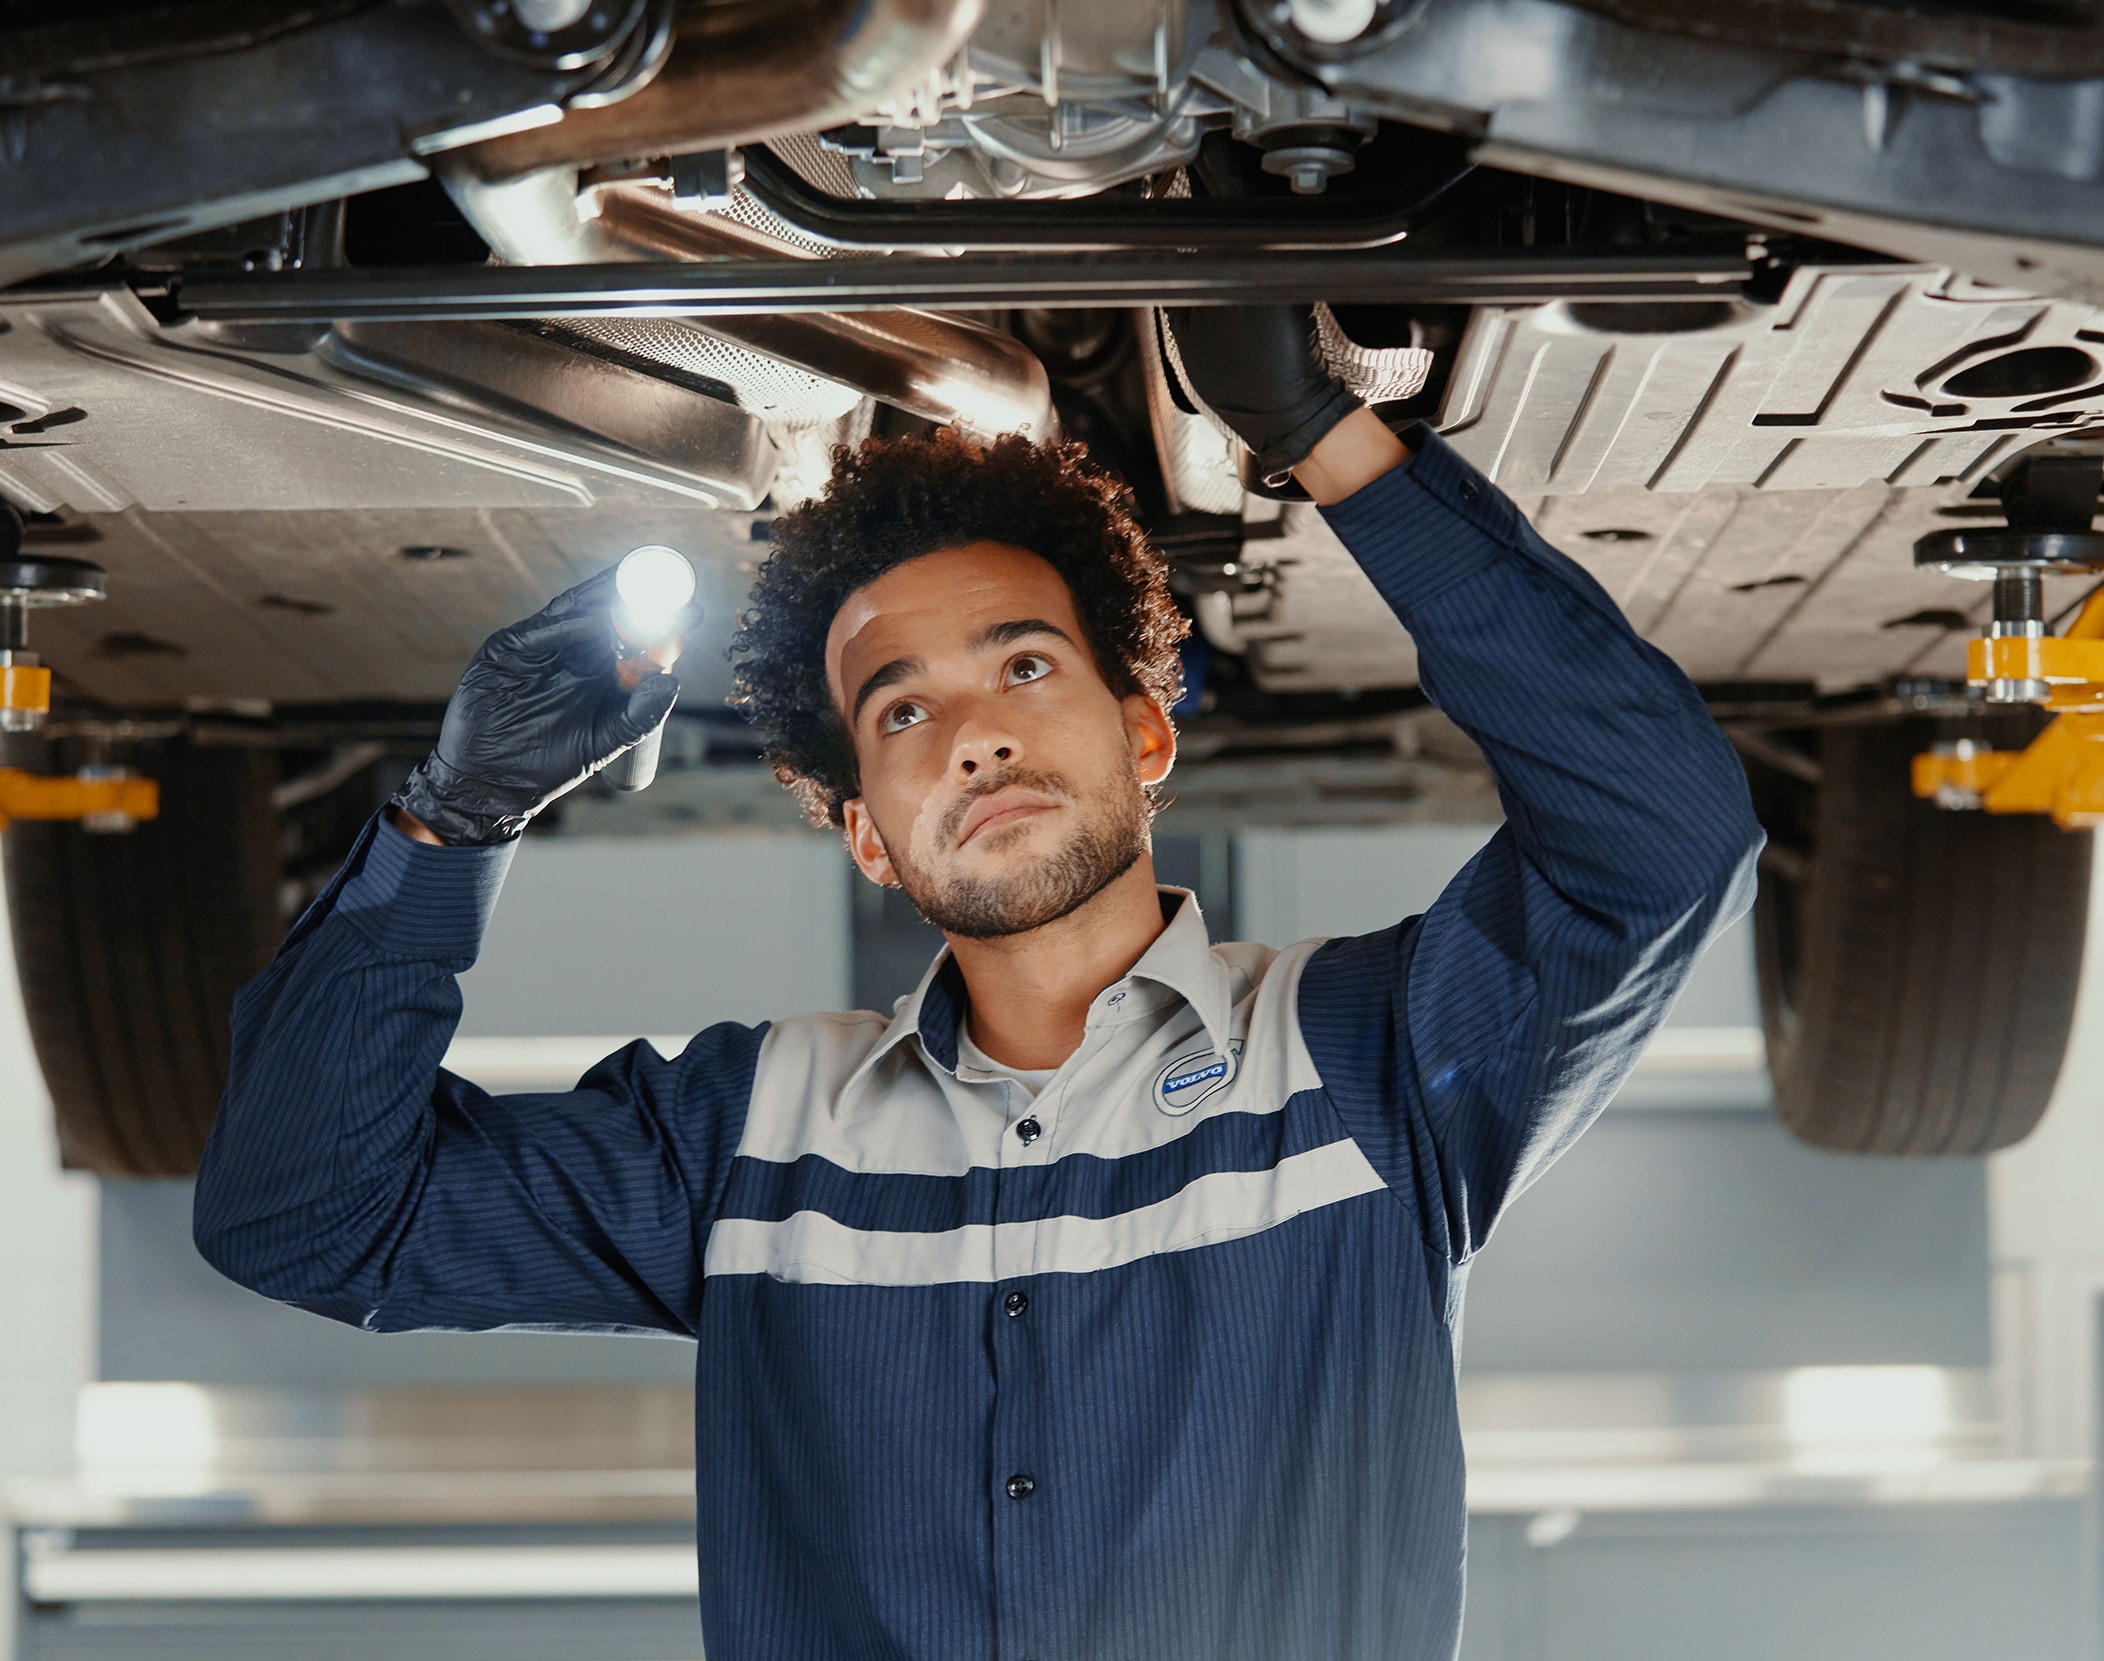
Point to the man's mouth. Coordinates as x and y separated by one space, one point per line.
1009 805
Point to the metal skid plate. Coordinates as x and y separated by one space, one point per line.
406 415
1910 376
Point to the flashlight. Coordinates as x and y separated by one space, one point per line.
654 586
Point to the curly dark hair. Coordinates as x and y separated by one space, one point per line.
892 500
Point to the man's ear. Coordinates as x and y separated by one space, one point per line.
865 845
1152 736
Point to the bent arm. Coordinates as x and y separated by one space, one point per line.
350 1175
1469 1047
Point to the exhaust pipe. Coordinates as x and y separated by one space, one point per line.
739 73
946 369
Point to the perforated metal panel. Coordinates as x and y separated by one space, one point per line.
767 387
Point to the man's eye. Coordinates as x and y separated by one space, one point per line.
901 716
1029 667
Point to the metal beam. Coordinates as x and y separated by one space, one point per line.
967 281
1333 220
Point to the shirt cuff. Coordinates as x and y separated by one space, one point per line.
413 900
1425 524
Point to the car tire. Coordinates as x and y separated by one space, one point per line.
130 948
1917 965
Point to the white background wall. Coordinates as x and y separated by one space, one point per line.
47 1262
47 1281
1301 884
668 934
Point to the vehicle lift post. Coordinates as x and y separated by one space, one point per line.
2050 502
103 799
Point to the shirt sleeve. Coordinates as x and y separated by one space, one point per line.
1467 1048
349 1174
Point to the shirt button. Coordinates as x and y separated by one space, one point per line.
1015 1303
1021 1487
1029 1131
1471 492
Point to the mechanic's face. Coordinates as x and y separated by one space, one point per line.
1001 777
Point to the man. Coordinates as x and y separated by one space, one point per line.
1104 1302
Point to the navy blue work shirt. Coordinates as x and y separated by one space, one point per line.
1156 1365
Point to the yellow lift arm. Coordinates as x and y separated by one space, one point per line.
101 798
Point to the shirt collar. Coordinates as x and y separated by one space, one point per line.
1180 962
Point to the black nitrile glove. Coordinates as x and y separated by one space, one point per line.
1259 369
539 711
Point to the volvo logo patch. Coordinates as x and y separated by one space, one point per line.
1191 1079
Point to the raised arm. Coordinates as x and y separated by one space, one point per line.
350 1175
1467 1048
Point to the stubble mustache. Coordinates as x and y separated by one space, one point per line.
951 825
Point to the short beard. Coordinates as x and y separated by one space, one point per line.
1108 844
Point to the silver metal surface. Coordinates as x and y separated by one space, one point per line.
947 369
1853 375
186 419
1378 374
498 366
1307 136
1200 457
969 281
1048 101
738 74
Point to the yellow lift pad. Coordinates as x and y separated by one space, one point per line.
2061 771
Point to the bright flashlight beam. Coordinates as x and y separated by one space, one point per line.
656 585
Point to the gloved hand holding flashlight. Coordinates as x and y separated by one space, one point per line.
548 702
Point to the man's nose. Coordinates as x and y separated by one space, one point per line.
981 743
